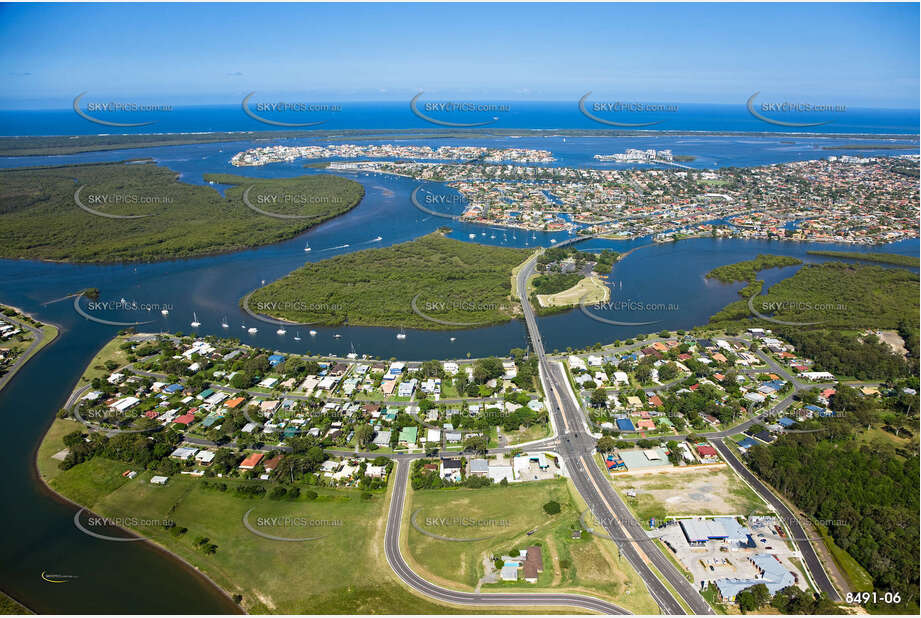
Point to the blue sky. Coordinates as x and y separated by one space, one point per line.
854 54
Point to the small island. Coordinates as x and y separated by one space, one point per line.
138 211
433 283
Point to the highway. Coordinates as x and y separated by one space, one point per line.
797 532
575 448
405 573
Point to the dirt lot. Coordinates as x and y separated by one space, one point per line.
695 491
894 341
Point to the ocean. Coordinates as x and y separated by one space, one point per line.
392 115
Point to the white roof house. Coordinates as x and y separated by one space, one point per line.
126 404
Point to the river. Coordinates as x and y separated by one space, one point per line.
38 533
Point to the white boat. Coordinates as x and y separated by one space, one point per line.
297 336
471 236
313 333
224 323
252 330
164 312
453 338
378 239
337 336
401 334
307 247
553 240
280 331
195 322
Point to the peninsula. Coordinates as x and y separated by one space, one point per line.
138 211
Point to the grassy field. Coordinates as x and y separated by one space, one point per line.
109 352
449 281
588 565
589 290
343 572
10 607
527 434
42 217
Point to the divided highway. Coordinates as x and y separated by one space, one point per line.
575 448
405 573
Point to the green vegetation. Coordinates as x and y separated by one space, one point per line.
13 347
830 297
200 520
846 354
882 258
587 565
450 280
748 270
858 577
865 495
555 282
40 219
10 607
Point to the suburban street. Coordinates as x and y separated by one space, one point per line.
575 444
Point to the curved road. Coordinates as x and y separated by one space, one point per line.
405 573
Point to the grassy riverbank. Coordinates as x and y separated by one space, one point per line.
343 572
44 212
452 284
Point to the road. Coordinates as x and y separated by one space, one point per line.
576 446
38 337
797 532
404 572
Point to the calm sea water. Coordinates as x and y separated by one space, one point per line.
397 115
39 534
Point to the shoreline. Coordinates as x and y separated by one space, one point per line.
149 543
40 342
123 141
